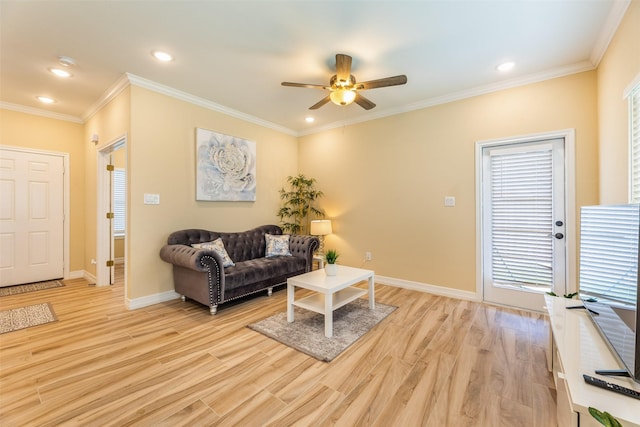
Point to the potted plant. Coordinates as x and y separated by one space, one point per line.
331 256
298 204
604 418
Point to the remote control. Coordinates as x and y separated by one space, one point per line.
610 386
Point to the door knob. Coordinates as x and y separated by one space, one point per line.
559 223
558 236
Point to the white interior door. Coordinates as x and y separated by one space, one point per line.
31 217
523 222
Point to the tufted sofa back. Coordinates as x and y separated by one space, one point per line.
241 246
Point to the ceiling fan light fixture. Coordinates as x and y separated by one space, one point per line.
342 96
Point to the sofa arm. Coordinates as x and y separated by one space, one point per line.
193 258
304 246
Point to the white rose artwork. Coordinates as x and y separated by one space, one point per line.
226 169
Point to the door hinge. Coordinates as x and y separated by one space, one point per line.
110 215
110 263
110 168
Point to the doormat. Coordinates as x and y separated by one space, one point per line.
25 317
306 333
30 287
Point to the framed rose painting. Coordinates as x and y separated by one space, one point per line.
226 167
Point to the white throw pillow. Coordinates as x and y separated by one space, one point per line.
218 247
277 245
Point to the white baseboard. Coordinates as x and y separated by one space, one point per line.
133 304
78 274
431 289
136 303
82 274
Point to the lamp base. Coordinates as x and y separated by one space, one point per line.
320 251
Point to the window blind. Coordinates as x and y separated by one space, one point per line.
119 202
634 139
521 223
609 252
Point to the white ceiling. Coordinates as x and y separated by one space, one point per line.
234 54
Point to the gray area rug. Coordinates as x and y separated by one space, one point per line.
25 317
30 287
306 333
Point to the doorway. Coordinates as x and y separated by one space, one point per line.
110 156
524 218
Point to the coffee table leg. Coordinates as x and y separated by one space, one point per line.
372 297
328 315
290 299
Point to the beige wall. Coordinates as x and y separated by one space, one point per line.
161 159
42 133
619 67
385 180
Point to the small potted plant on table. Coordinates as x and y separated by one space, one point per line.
331 256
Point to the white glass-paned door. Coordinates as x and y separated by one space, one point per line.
521 212
523 222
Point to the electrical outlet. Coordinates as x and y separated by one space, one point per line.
368 256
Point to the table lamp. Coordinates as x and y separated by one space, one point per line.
320 228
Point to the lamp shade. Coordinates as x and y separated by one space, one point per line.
320 227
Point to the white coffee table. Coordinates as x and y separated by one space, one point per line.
331 292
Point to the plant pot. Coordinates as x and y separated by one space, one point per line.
331 269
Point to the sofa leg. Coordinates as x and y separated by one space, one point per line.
269 291
213 310
183 298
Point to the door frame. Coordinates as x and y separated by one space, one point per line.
570 201
104 232
66 186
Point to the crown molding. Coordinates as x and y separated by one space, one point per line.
609 29
460 95
201 102
114 90
39 112
130 79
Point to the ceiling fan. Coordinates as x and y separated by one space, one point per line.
343 86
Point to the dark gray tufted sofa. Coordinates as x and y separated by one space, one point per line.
198 273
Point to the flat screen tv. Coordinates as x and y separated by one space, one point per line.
609 282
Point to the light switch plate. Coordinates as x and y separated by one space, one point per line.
449 201
151 199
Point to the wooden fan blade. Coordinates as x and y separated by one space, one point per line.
304 85
363 102
343 67
387 81
320 103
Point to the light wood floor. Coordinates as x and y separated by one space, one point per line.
435 361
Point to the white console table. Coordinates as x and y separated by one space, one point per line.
577 348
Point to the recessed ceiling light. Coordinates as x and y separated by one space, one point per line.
46 100
309 119
162 56
506 66
59 72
